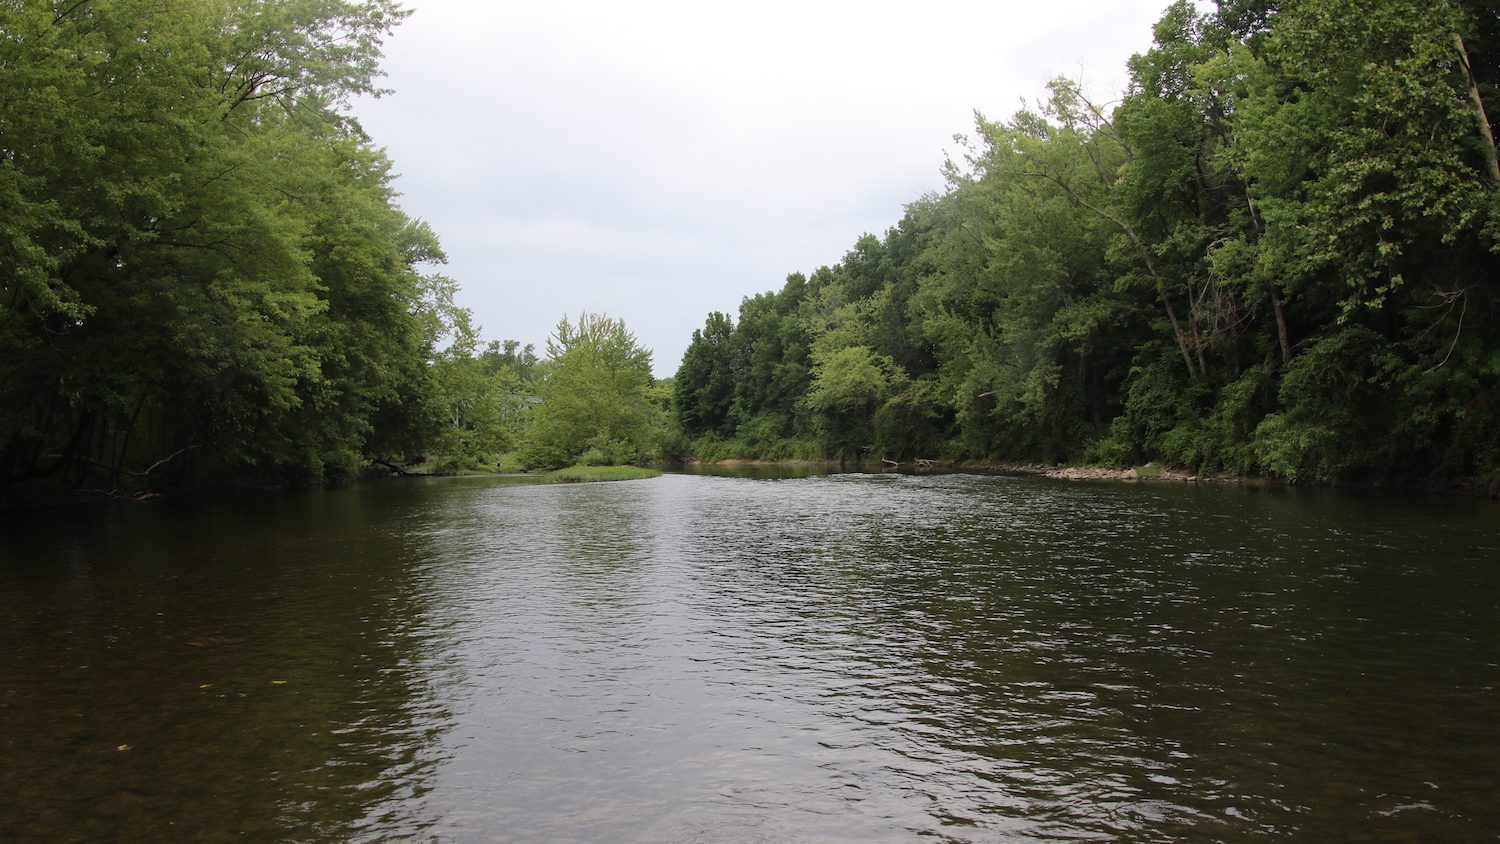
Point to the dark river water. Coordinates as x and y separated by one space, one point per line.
693 658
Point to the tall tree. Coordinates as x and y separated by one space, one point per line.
202 270
705 382
596 401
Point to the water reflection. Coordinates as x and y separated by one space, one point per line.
1111 662
835 658
253 668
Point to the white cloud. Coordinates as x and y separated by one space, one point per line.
658 160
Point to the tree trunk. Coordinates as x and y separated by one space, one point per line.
1283 336
65 460
1088 378
1176 328
122 445
1484 120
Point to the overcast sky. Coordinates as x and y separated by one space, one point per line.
659 160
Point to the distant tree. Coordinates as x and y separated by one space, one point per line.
705 383
597 405
511 358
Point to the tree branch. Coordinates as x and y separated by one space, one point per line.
1130 232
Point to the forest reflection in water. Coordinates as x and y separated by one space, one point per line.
840 657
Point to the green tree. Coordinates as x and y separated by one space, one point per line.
1277 254
849 385
705 383
597 405
202 271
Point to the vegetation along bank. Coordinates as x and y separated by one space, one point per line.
1277 256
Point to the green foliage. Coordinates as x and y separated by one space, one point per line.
203 276
1278 254
1222 438
1339 398
705 383
849 385
1149 471
1360 146
483 397
910 424
596 398
1160 399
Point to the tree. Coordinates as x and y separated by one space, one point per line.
596 402
849 385
202 271
705 383
1277 254
1361 148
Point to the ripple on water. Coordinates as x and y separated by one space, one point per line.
836 658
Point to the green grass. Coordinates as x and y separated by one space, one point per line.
590 474
510 469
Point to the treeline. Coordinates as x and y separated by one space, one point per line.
203 275
1277 254
591 401
205 280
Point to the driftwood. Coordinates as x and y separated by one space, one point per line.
394 468
919 462
99 464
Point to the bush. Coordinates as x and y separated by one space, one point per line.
590 474
1111 450
594 457
1223 440
1159 398
1337 401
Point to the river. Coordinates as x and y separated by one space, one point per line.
694 658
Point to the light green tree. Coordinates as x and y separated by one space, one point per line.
596 402
849 385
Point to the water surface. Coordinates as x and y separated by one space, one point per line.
689 658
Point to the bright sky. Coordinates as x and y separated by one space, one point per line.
659 160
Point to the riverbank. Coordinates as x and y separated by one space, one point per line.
1146 473
565 475
1152 472
53 495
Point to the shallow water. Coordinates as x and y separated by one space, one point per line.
690 658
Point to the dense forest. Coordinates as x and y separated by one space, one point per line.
204 274
1277 254
205 279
